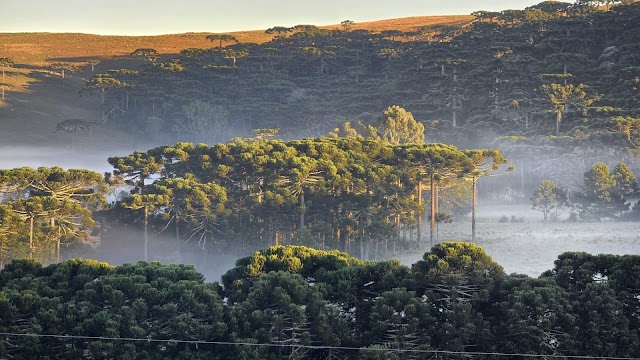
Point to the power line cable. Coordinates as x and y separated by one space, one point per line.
312 347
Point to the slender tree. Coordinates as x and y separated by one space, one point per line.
73 126
4 64
561 97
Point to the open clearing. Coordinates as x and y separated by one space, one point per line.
531 247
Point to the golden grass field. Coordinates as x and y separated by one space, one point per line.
40 49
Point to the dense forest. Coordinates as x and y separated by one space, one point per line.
558 80
553 69
362 195
357 194
359 141
299 303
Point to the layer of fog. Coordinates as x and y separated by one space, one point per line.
528 245
36 156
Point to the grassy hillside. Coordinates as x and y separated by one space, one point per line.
37 97
41 49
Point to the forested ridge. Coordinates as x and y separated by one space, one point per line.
298 303
554 87
554 68
551 92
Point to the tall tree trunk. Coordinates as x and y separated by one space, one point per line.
302 209
420 213
522 176
31 238
1 252
473 208
558 120
178 241
58 245
342 236
454 116
146 235
433 208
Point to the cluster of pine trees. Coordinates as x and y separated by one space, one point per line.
360 195
604 195
44 209
298 303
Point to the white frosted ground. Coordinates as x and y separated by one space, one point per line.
531 247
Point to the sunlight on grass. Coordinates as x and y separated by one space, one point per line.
42 49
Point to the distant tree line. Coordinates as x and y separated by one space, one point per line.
559 80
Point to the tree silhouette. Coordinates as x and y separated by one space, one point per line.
5 63
150 54
73 126
220 38
65 67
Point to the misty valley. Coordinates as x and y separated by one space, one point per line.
461 188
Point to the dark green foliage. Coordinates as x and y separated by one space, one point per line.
457 299
603 196
468 76
94 299
351 193
533 316
44 209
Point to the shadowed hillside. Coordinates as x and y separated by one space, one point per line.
37 97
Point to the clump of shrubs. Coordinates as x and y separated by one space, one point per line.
513 219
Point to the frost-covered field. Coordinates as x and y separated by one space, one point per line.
531 247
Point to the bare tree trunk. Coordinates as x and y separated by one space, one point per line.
31 238
1 253
58 245
433 208
420 212
473 209
146 235
302 209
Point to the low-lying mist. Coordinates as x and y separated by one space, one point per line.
510 231
36 156
517 238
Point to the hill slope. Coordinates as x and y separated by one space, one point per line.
37 97
40 49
